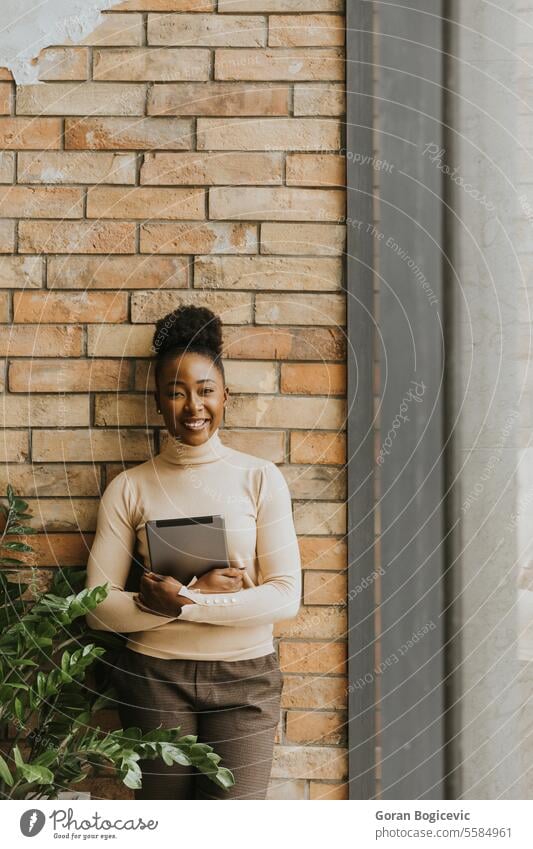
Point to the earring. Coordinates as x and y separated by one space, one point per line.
159 411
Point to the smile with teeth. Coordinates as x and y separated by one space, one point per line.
196 425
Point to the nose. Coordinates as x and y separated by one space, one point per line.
193 405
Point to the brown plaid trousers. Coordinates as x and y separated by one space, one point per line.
233 706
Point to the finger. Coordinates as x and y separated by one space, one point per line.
168 579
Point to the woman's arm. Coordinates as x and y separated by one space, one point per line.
278 597
110 561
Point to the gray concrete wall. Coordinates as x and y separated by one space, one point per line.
487 395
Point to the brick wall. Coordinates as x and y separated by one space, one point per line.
185 153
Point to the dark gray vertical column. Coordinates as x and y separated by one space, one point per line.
360 446
409 241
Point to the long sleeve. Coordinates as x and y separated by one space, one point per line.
278 554
110 562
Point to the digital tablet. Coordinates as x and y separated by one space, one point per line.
187 548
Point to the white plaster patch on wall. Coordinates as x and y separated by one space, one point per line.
29 25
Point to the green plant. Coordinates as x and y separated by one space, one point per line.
51 708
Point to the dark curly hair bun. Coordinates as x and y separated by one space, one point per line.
189 327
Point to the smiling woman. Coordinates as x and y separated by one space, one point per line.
190 391
202 656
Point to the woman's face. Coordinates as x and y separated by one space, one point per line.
190 388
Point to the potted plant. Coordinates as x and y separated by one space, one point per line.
46 651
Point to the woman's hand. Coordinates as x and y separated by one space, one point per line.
221 579
159 594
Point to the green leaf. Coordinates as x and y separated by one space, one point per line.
18 757
18 708
46 758
5 773
22 529
38 774
224 778
19 504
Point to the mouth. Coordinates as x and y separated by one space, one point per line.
195 424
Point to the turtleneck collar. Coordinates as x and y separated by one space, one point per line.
181 454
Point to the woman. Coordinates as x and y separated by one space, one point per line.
201 657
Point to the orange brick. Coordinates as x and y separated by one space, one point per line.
325 587
328 790
117 272
283 411
7 236
234 307
310 762
63 63
281 788
116 340
74 167
6 98
320 517
267 133
296 308
4 306
311 623
51 480
71 308
46 202
167 6
218 98
301 238
307 657
295 343
312 169
117 30
40 340
128 134
125 411
205 238
280 5
69 376
310 691
161 64
263 272
306 31
319 99
312 379
84 237
271 447
79 99
211 169
207 30
277 204
316 447
7 167
14 446
279 64
21 272
30 133
84 445
323 553
41 410
143 203
317 727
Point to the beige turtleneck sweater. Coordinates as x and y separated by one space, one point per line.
193 480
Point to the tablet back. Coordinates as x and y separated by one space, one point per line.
184 548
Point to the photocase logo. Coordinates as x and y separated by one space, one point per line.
32 822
